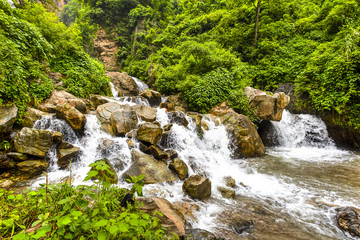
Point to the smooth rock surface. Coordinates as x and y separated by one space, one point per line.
146 113
7 119
123 120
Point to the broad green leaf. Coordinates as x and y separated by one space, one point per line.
101 223
102 235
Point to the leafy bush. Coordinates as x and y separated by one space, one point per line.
84 212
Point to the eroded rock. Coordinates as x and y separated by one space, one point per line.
197 186
124 83
179 167
32 115
32 168
153 97
65 153
149 133
154 171
146 113
7 119
71 115
33 141
62 97
123 120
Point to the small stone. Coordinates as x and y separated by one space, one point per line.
57 137
226 193
179 167
172 153
167 127
158 153
6 183
197 186
229 182
130 143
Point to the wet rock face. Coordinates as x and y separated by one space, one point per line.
149 133
62 97
65 153
153 97
32 116
7 119
6 162
268 133
245 140
197 186
72 116
32 168
178 118
33 141
179 167
171 219
124 83
154 171
97 100
267 107
348 219
146 113
123 120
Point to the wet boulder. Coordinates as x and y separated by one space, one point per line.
103 175
33 141
98 100
179 103
146 113
149 133
66 152
7 119
124 82
197 186
32 168
71 115
57 137
153 97
6 162
62 97
103 114
32 115
123 120
245 140
178 118
229 182
172 153
179 167
168 106
348 219
226 193
171 219
158 153
18 157
154 171
267 106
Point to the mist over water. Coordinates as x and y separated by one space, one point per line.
287 181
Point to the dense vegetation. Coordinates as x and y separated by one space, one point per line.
33 43
185 46
64 211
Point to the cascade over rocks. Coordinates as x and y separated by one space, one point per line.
33 141
98 100
123 120
246 141
178 117
197 186
157 153
348 219
71 115
124 83
153 97
59 97
172 219
32 116
7 119
149 133
267 107
154 171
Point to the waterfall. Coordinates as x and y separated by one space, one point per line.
286 181
141 85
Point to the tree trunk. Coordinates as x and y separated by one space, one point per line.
257 16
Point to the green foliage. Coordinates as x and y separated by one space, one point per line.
5 145
84 212
32 44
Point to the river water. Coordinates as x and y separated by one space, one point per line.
278 196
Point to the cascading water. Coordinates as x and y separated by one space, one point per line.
286 182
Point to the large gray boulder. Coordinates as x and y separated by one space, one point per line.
123 120
267 106
153 97
149 133
245 140
103 114
124 83
7 119
197 186
154 171
71 115
62 97
33 141
146 113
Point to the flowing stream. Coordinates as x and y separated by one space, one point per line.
282 190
